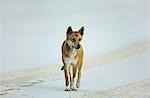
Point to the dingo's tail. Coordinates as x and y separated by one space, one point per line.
62 68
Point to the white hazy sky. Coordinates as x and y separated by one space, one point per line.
32 31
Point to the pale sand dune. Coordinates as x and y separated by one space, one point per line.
26 83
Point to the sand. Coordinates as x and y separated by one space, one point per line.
120 74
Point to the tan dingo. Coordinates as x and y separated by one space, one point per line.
72 57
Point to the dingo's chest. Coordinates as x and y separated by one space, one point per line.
72 58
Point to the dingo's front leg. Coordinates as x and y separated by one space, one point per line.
78 80
79 77
66 72
74 69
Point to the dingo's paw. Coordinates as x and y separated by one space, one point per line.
73 89
67 89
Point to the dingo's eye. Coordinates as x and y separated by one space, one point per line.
73 39
79 39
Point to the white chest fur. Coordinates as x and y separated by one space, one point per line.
70 59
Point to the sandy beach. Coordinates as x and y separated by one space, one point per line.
116 44
114 75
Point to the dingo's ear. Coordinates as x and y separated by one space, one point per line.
81 30
69 30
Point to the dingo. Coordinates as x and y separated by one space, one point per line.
72 57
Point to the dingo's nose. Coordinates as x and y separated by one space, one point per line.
78 46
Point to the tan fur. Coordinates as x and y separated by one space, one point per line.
72 57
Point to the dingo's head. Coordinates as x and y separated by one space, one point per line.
74 37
